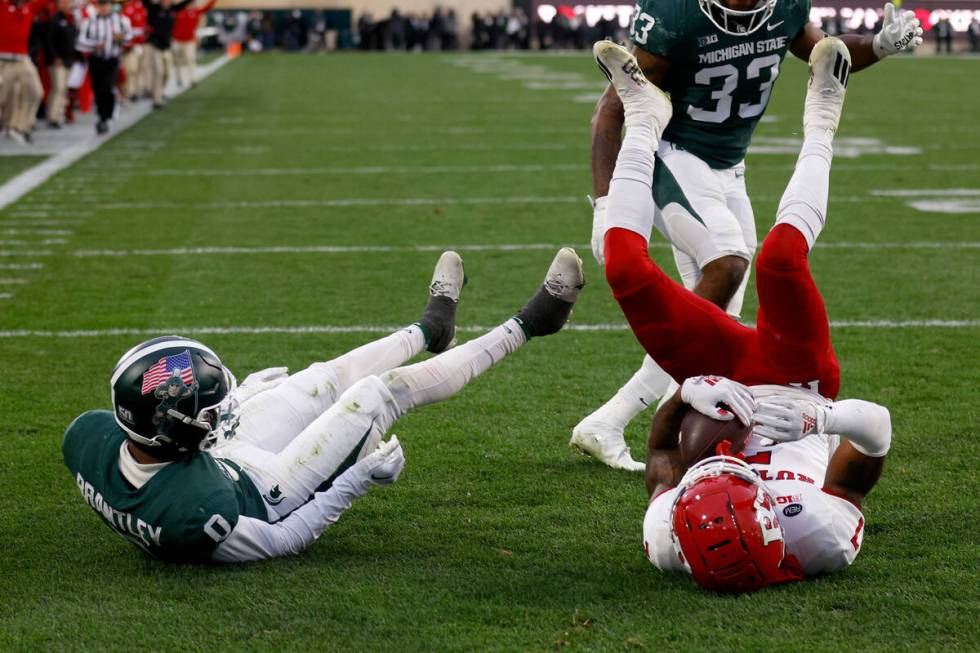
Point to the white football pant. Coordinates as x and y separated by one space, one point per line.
297 437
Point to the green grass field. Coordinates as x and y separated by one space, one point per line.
497 537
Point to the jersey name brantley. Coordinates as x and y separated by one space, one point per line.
132 528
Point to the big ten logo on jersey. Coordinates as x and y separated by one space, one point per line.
705 41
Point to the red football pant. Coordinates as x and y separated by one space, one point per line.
689 336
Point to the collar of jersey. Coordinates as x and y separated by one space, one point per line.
137 474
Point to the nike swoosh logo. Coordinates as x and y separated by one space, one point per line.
385 477
773 26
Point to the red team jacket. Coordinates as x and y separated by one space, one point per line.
185 24
15 25
136 13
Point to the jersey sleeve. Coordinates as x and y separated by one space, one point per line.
254 539
801 12
657 26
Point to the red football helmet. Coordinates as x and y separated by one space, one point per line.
725 528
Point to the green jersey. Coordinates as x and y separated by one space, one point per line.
182 513
719 83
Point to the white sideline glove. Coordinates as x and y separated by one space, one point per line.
704 393
900 30
599 229
382 467
787 420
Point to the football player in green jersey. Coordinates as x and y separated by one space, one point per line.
190 467
718 60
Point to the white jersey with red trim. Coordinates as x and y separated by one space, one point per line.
823 531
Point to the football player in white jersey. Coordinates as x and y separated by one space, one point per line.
790 506
802 477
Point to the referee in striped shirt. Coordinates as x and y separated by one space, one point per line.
103 37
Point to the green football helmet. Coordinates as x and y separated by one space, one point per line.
171 392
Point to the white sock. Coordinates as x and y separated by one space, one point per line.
378 357
645 387
446 374
804 202
630 204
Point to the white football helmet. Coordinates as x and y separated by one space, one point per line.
735 22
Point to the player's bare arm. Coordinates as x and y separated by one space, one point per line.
900 31
664 467
865 429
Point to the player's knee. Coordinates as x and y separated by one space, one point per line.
370 397
784 250
627 259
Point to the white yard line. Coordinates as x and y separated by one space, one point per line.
377 328
927 192
21 266
365 170
25 182
34 232
484 247
25 252
343 202
12 281
32 243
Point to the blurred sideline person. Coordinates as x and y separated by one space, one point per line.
60 47
160 17
103 36
810 457
700 203
289 454
20 86
135 60
185 41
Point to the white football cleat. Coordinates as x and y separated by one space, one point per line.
565 277
548 310
605 443
448 277
642 101
830 66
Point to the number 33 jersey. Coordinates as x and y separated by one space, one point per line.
720 83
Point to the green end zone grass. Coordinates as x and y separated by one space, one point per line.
497 537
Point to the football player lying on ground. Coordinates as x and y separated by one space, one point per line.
719 520
288 455
719 66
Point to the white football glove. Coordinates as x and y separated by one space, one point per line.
704 393
787 420
599 229
382 467
900 30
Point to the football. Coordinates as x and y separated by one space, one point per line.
700 435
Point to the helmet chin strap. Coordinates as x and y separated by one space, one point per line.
187 419
156 453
